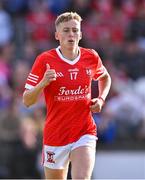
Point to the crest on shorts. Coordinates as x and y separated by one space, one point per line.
50 156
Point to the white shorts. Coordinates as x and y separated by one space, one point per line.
57 157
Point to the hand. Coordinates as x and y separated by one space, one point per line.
49 76
96 105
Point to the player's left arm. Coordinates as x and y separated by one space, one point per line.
104 84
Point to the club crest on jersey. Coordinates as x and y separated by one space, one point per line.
88 71
50 156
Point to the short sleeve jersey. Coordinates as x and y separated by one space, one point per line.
68 98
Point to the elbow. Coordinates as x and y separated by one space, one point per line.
105 77
26 105
108 77
26 101
109 80
106 80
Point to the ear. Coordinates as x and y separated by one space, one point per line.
56 36
80 35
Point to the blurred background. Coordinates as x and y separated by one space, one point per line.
114 28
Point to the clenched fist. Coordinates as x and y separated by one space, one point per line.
96 105
49 76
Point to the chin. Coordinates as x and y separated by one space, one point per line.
71 46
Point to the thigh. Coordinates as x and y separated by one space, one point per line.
56 161
55 173
82 161
56 157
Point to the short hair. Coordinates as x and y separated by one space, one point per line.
67 16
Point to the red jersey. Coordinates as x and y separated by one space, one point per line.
68 98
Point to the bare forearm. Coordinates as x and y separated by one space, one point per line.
104 86
30 96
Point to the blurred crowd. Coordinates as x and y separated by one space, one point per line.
114 28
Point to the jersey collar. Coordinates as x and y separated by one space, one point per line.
71 62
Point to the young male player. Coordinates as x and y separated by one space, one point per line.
64 75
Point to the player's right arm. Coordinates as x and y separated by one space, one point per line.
30 96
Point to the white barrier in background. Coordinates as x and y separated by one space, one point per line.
119 165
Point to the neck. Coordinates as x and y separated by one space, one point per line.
70 54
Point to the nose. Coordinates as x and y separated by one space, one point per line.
71 33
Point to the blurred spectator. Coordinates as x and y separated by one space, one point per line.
136 28
5 75
83 7
6 27
106 128
9 137
26 152
123 109
20 72
103 6
16 7
58 6
131 59
30 51
117 31
39 24
91 29
129 8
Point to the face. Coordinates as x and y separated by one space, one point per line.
69 34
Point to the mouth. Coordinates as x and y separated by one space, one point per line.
71 41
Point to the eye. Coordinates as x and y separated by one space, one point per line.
75 30
66 30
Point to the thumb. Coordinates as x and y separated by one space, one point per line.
93 101
47 67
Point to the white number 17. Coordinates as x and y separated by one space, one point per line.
73 75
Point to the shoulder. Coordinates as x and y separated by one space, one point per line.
89 52
90 55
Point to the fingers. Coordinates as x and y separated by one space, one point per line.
50 74
93 101
47 66
49 70
96 106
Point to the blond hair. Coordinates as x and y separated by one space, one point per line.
67 16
